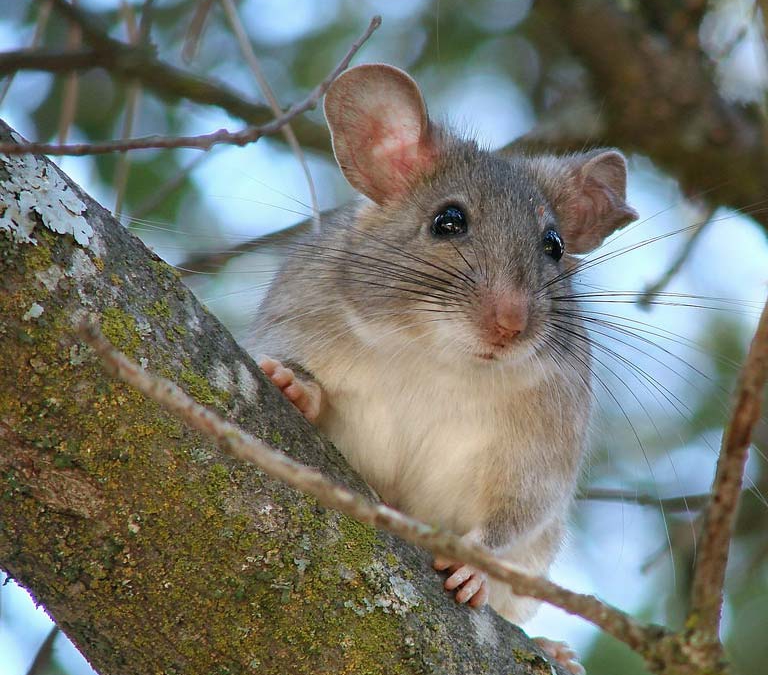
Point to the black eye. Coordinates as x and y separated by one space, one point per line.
449 223
553 245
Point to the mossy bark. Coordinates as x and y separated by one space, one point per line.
153 551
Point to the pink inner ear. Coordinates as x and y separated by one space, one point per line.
380 129
390 153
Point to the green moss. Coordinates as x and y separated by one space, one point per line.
159 309
38 257
164 270
310 629
120 329
360 541
198 387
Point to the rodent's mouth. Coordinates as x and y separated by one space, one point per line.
507 353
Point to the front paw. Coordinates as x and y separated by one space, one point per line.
470 584
562 654
305 396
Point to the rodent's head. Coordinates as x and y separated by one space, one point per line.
459 249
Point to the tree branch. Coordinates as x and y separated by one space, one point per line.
139 63
684 503
720 517
48 60
205 141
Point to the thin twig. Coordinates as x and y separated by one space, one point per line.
195 31
653 289
124 61
71 86
43 657
132 99
145 23
253 63
720 517
684 503
42 22
204 141
333 495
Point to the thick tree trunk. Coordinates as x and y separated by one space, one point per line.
153 551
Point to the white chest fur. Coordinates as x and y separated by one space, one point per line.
444 443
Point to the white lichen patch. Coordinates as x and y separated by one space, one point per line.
79 354
485 631
247 385
81 266
221 377
50 278
32 188
393 593
404 590
34 312
193 322
143 327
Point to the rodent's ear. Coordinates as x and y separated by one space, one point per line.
380 130
588 192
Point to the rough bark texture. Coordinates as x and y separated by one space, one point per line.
153 551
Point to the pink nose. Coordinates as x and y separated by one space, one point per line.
505 318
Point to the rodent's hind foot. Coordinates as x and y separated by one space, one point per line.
305 396
562 654
470 584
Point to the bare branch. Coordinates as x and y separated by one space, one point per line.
42 661
720 517
132 100
71 86
684 503
333 495
48 60
129 62
205 141
653 289
40 24
253 63
195 32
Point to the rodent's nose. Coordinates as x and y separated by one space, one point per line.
508 317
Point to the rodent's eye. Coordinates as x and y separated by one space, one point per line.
449 222
553 243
